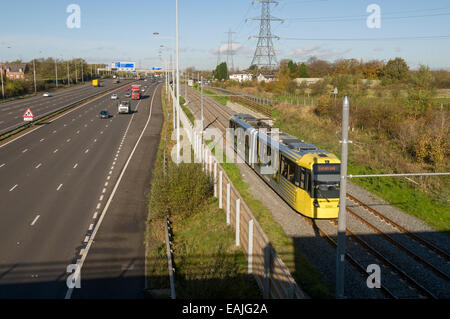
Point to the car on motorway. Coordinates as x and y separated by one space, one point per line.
127 94
46 94
114 96
104 114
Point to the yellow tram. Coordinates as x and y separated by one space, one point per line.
306 177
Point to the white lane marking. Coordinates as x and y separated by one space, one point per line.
42 139
110 172
98 206
59 187
68 140
101 132
55 151
112 167
86 151
2 165
35 220
39 165
114 163
106 184
108 178
104 190
101 198
13 188
75 166
78 132
97 226
54 132
91 226
95 140
25 150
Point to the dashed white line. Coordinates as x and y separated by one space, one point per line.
95 215
75 166
101 198
98 206
2 165
39 165
35 220
42 139
91 226
59 187
106 184
55 151
68 140
78 132
13 188
104 190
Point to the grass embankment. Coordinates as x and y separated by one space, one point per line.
207 263
306 275
371 154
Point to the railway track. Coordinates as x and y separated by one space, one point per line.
412 266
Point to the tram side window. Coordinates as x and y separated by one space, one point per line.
283 167
291 171
302 177
308 181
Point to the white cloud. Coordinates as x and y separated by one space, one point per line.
314 51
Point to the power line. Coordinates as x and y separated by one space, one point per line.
363 17
369 39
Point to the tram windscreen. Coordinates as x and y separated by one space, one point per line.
326 180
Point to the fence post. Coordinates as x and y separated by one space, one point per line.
228 203
267 270
250 246
220 189
215 179
210 164
238 220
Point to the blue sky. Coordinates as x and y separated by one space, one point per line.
123 30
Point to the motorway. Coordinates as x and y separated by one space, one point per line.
71 179
11 112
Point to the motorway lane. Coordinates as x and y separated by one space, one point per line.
64 191
115 263
11 112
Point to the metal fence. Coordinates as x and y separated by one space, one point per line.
272 275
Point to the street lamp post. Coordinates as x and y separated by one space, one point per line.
34 75
178 83
56 72
68 73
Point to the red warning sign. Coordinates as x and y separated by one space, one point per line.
28 115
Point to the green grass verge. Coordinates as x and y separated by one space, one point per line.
207 262
309 278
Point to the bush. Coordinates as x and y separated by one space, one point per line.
180 192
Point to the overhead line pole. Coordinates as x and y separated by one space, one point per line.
342 227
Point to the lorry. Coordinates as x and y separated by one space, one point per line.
124 107
136 93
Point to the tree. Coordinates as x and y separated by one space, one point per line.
318 68
221 72
292 68
421 89
302 71
395 70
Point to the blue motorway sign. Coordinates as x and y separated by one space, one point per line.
156 68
